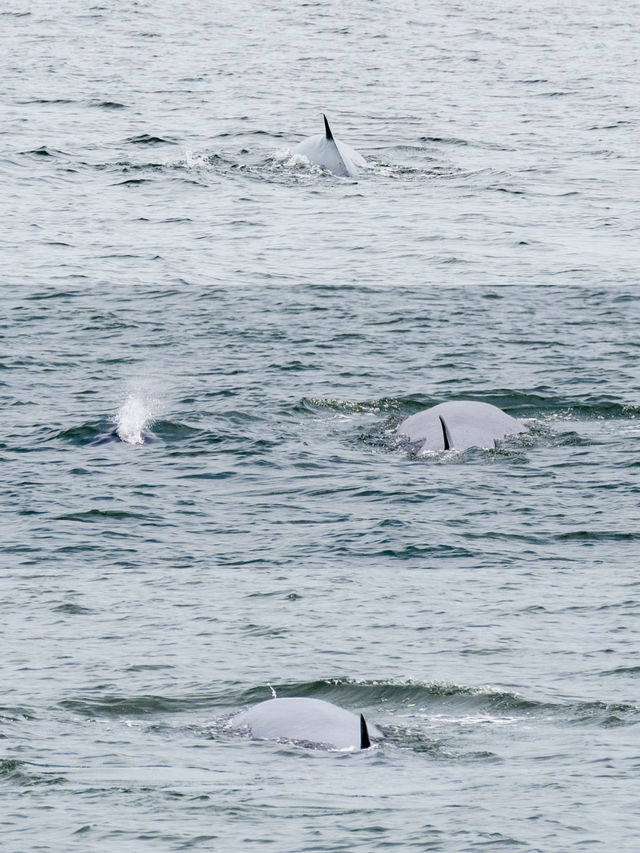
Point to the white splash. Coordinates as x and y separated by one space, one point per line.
300 161
195 161
133 416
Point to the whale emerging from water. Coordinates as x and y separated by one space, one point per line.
311 721
459 425
131 423
326 151
114 434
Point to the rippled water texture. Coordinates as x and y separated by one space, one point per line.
207 346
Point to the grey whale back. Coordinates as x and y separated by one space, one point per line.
307 720
335 156
459 425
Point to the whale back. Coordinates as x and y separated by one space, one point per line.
309 721
459 425
326 151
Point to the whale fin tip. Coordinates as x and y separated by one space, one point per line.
365 743
327 129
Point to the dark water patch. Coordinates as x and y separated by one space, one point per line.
276 593
141 706
263 631
126 166
43 151
107 105
445 140
147 139
271 134
558 93
84 548
44 101
133 182
93 515
14 714
83 829
84 434
613 126
208 475
590 537
20 773
174 431
54 293
73 609
503 536
407 552
19 549
106 321
200 445
622 670
603 714
509 190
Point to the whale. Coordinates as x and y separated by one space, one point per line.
131 423
115 434
308 721
459 425
335 156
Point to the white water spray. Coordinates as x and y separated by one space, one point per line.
133 416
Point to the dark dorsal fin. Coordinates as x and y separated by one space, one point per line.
445 435
327 129
365 743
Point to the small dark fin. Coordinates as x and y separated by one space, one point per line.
445 435
365 743
327 129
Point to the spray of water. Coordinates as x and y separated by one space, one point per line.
134 415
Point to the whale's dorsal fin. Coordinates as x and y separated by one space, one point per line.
365 743
327 129
445 435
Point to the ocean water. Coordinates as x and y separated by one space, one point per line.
206 347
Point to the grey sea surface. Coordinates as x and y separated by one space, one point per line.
206 347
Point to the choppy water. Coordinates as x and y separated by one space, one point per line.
253 329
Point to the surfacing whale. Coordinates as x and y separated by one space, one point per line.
459 425
326 151
310 721
144 436
131 423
